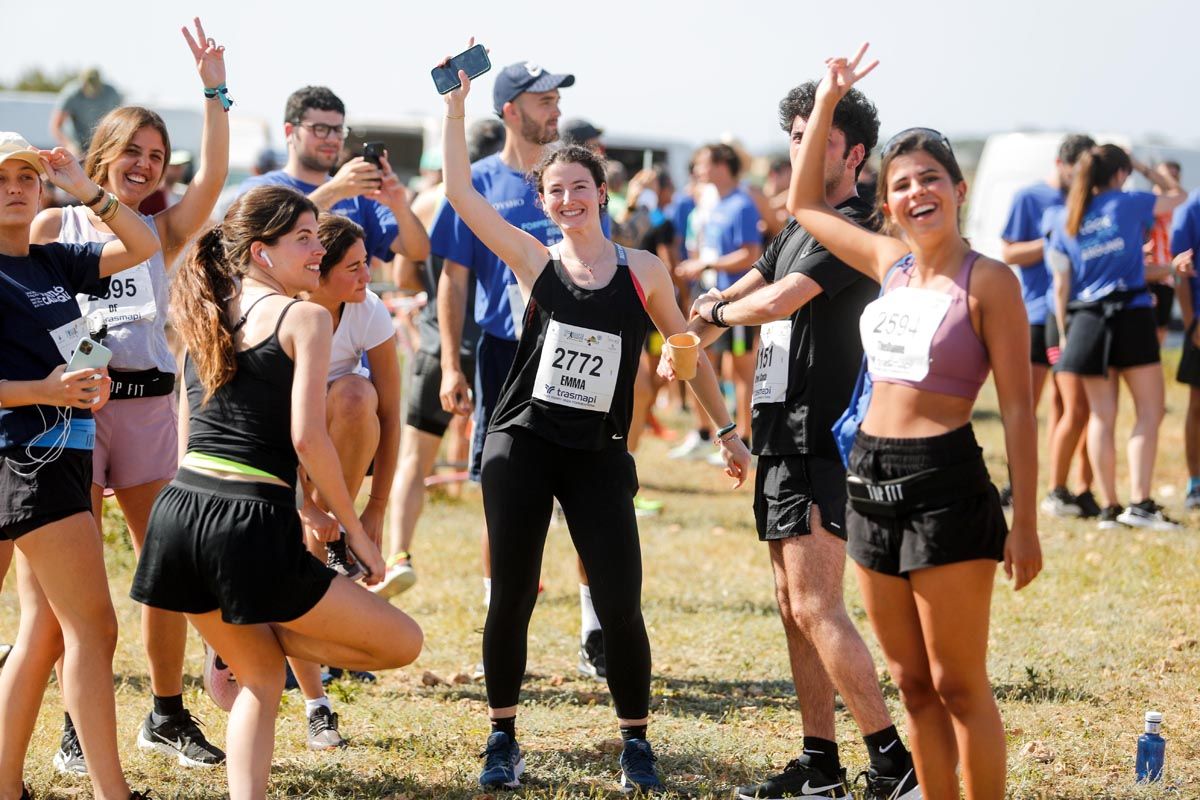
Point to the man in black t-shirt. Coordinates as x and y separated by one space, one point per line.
808 303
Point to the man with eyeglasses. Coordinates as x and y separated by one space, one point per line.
808 303
314 124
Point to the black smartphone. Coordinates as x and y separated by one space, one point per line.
473 61
373 152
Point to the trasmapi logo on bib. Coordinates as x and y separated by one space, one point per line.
578 367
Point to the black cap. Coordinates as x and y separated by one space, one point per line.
526 76
578 131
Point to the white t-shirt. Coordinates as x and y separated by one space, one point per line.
363 326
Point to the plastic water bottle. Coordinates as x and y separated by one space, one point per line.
1150 750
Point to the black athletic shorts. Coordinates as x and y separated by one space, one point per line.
1050 335
234 545
785 488
424 411
57 490
1095 345
1189 362
1164 301
739 340
969 526
1037 345
494 358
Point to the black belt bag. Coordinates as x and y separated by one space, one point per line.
132 384
931 488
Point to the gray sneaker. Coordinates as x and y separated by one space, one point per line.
69 758
323 730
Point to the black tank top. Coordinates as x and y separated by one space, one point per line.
249 419
572 380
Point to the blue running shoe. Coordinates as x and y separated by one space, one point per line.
502 763
637 768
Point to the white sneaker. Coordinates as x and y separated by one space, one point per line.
400 577
692 447
1147 514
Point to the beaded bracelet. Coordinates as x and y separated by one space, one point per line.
220 93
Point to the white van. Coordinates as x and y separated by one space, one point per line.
1011 161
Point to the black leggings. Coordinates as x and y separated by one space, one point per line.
522 473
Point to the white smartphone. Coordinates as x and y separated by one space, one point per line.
89 355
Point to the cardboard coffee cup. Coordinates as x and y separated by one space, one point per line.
685 349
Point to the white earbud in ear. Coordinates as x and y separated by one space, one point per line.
267 258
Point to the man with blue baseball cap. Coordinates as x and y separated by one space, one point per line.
525 98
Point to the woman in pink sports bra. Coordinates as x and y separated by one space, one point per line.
924 521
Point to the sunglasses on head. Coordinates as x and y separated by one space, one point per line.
937 136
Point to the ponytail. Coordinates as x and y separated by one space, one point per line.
211 276
198 295
1094 171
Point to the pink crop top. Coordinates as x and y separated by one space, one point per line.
958 361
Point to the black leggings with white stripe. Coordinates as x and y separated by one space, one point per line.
522 474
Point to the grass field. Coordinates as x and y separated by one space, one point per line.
1108 631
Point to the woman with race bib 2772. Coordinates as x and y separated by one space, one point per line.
559 431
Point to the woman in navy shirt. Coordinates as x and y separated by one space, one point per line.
1106 318
46 432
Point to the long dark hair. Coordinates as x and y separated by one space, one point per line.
924 140
212 274
1095 169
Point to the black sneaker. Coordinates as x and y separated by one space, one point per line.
591 656
323 730
339 560
1148 514
1110 518
1006 496
69 758
882 787
141 795
798 779
1088 507
179 736
1061 503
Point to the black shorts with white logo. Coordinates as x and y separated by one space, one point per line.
969 525
785 489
